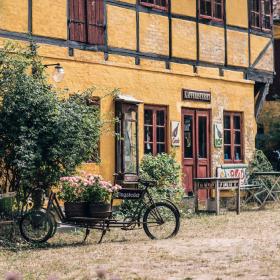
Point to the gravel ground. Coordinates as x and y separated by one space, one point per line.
207 247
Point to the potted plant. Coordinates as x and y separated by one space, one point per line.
98 194
72 193
87 196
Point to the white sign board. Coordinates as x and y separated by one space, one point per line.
175 134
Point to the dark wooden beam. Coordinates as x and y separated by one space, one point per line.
259 103
30 10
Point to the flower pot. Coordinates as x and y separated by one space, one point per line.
75 209
99 210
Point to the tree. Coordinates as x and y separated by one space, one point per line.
42 137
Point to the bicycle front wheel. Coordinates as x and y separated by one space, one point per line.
161 221
36 226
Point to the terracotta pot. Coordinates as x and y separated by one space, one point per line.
75 209
99 210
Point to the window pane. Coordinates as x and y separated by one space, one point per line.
160 148
148 149
237 137
227 138
227 153
160 134
188 131
202 137
256 5
160 117
148 117
218 9
205 7
236 122
237 153
267 7
227 122
255 19
130 146
267 22
148 134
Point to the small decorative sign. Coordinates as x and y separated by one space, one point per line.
196 95
218 134
175 134
232 172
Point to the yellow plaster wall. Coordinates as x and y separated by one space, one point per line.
187 8
258 43
276 31
129 1
154 34
50 18
236 13
121 27
237 51
267 61
162 88
14 15
183 39
212 43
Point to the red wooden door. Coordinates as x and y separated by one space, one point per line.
196 146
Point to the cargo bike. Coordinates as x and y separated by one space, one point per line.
159 219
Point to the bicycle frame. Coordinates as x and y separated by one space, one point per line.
53 203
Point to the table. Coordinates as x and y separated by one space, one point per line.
218 184
270 183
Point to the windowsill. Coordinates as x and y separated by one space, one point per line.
233 161
211 19
155 7
261 30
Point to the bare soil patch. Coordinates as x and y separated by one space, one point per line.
207 247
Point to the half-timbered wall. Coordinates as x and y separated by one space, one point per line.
152 55
177 35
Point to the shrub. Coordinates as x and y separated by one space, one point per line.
43 137
165 171
161 168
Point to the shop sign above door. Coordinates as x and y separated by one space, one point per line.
196 95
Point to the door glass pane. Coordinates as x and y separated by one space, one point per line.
227 152
160 117
227 137
130 157
227 122
202 137
160 134
188 140
236 121
237 152
148 134
148 117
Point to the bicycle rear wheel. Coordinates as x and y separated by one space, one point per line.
161 221
36 226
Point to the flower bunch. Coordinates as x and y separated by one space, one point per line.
87 188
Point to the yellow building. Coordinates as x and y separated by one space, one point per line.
189 73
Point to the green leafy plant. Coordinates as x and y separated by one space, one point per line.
43 137
161 168
166 172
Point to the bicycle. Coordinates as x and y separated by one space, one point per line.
160 219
